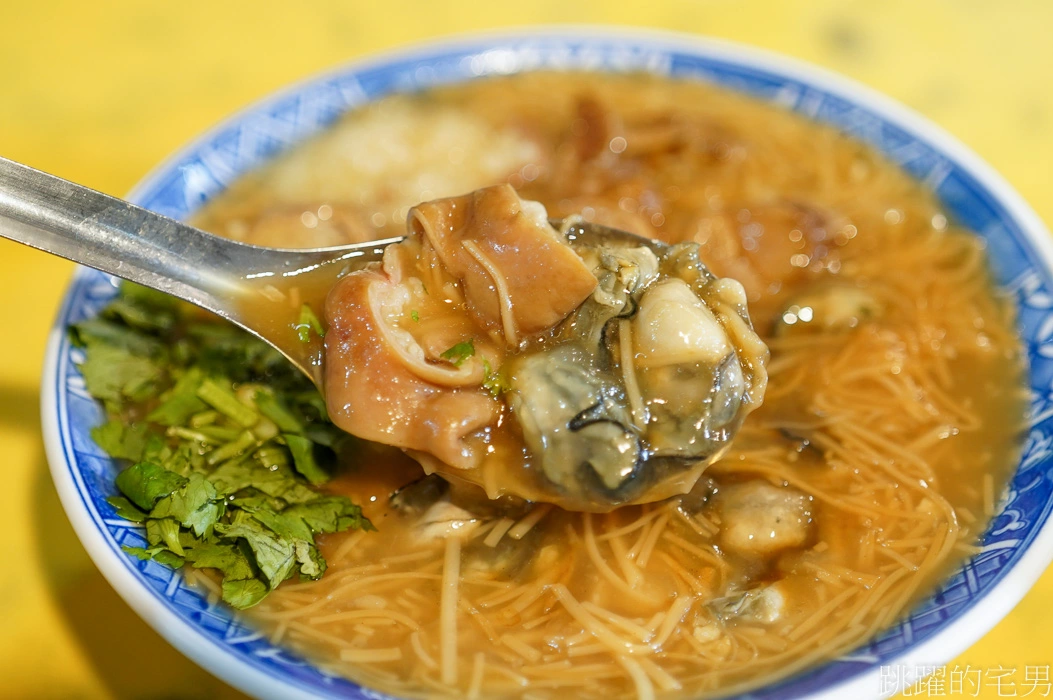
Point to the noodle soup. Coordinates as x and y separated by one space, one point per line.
892 417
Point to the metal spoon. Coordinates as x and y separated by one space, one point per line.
217 274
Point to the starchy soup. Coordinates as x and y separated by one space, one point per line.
891 420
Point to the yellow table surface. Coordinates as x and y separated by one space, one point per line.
99 92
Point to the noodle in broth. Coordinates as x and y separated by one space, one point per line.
891 421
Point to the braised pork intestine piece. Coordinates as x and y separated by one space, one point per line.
387 378
518 275
496 354
382 386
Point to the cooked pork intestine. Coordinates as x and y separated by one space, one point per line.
376 393
507 258
485 295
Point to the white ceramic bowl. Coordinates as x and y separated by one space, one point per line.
1016 548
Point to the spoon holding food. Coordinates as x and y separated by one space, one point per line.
555 361
274 293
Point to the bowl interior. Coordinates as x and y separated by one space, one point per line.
939 627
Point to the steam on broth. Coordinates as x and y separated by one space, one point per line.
892 414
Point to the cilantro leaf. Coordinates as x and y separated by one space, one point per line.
122 441
312 565
224 350
138 552
275 409
236 475
494 382
164 531
126 509
274 555
158 554
182 460
330 514
169 559
195 505
226 558
303 452
308 322
145 483
151 299
102 331
459 352
140 315
285 524
182 400
243 594
113 373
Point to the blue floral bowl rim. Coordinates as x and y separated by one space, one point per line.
869 681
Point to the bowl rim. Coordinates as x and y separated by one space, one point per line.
945 645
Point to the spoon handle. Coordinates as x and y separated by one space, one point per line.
109 234
119 238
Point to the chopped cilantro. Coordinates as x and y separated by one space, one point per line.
459 352
188 434
331 514
196 505
126 509
112 373
303 452
415 316
164 531
159 554
105 332
238 445
223 400
244 593
494 382
308 322
122 441
139 314
275 409
226 558
181 402
139 552
274 554
145 483
225 441
153 302
168 558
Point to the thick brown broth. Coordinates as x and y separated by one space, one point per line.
891 423
275 305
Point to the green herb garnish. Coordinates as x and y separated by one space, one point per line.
414 315
226 444
223 400
308 322
494 382
459 352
